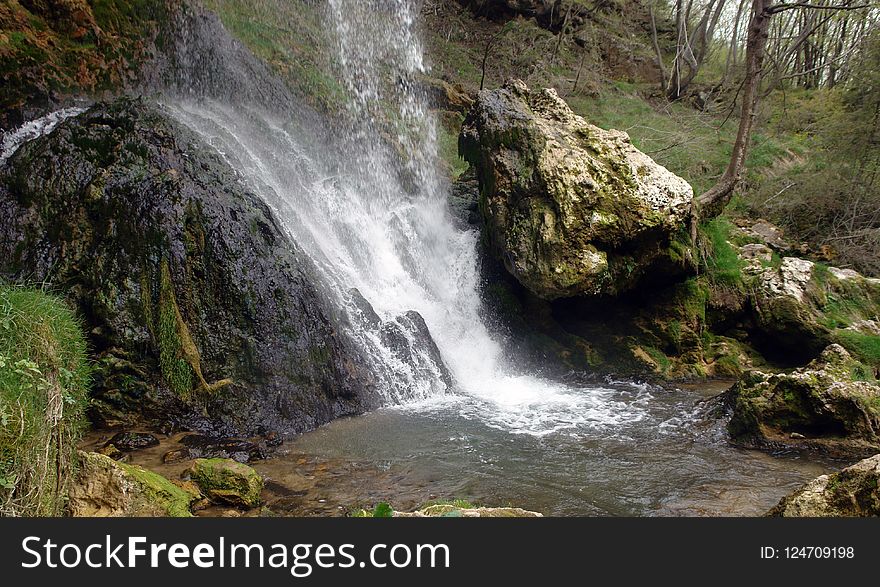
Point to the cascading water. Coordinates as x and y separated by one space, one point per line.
370 210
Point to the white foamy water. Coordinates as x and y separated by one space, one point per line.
371 213
29 131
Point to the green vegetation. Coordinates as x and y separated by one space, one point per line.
722 262
228 481
76 46
290 37
176 370
864 347
44 379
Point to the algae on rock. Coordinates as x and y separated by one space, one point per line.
570 209
107 488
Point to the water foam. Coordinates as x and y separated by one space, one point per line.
33 129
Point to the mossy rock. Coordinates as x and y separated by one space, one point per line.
202 312
823 406
852 492
227 481
571 209
107 488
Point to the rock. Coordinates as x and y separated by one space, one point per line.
852 492
130 441
464 200
203 312
451 511
227 481
571 209
767 233
822 406
410 340
445 96
197 446
799 307
109 450
757 256
106 488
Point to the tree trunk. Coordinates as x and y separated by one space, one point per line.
712 202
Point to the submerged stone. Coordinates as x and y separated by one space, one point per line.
452 511
131 441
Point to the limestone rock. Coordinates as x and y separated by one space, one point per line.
451 511
107 488
570 209
823 406
852 492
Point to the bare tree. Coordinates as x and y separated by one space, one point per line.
712 202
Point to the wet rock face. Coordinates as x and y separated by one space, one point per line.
852 492
571 209
823 406
202 312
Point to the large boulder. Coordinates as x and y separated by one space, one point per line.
798 307
571 209
106 488
201 310
831 405
852 492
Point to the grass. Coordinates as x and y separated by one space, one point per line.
688 142
447 144
44 380
290 37
723 264
865 347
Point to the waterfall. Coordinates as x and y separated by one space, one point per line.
370 211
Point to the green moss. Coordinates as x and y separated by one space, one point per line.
664 364
228 481
160 491
447 144
147 492
175 369
291 38
44 380
728 366
722 264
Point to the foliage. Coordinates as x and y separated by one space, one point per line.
44 379
722 263
831 199
865 347
74 46
290 37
